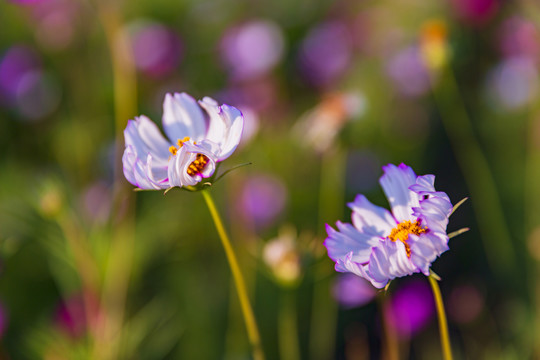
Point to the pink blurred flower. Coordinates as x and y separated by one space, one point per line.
252 49
262 200
76 314
352 291
513 83
325 53
465 304
519 37
411 308
157 49
408 72
475 12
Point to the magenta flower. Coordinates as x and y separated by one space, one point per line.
152 162
379 245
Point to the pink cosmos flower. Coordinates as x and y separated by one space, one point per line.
379 245
195 144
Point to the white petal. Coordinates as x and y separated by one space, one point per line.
395 183
225 126
183 117
371 219
348 240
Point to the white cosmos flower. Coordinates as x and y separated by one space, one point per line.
200 134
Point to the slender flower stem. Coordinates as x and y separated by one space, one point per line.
390 350
443 325
288 331
251 324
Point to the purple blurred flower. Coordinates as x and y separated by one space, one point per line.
408 72
465 304
252 49
56 22
475 12
25 86
28 2
513 83
262 199
520 38
351 291
411 308
4 319
194 147
380 245
96 201
76 314
157 50
325 53
17 62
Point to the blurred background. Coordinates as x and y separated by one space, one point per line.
331 91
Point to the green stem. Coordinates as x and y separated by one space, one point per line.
288 331
249 318
443 325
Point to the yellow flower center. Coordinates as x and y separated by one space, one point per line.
402 230
200 162
198 165
173 149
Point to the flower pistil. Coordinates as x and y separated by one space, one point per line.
402 230
198 165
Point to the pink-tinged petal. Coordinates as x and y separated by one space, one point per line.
128 161
183 117
141 177
157 174
236 119
433 213
176 167
144 136
395 183
371 219
346 264
389 260
424 184
152 138
225 126
425 249
347 239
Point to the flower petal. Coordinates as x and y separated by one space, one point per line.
346 264
183 117
389 260
395 183
225 126
128 161
371 219
348 240
144 136
425 249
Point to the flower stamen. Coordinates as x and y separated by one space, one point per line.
173 150
402 230
198 165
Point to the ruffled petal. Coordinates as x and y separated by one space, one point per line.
389 260
144 136
225 126
347 239
433 212
183 117
371 219
178 166
425 186
425 249
395 183
346 264
128 162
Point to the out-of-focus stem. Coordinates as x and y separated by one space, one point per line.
443 326
324 307
474 165
390 343
249 317
120 260
288 331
